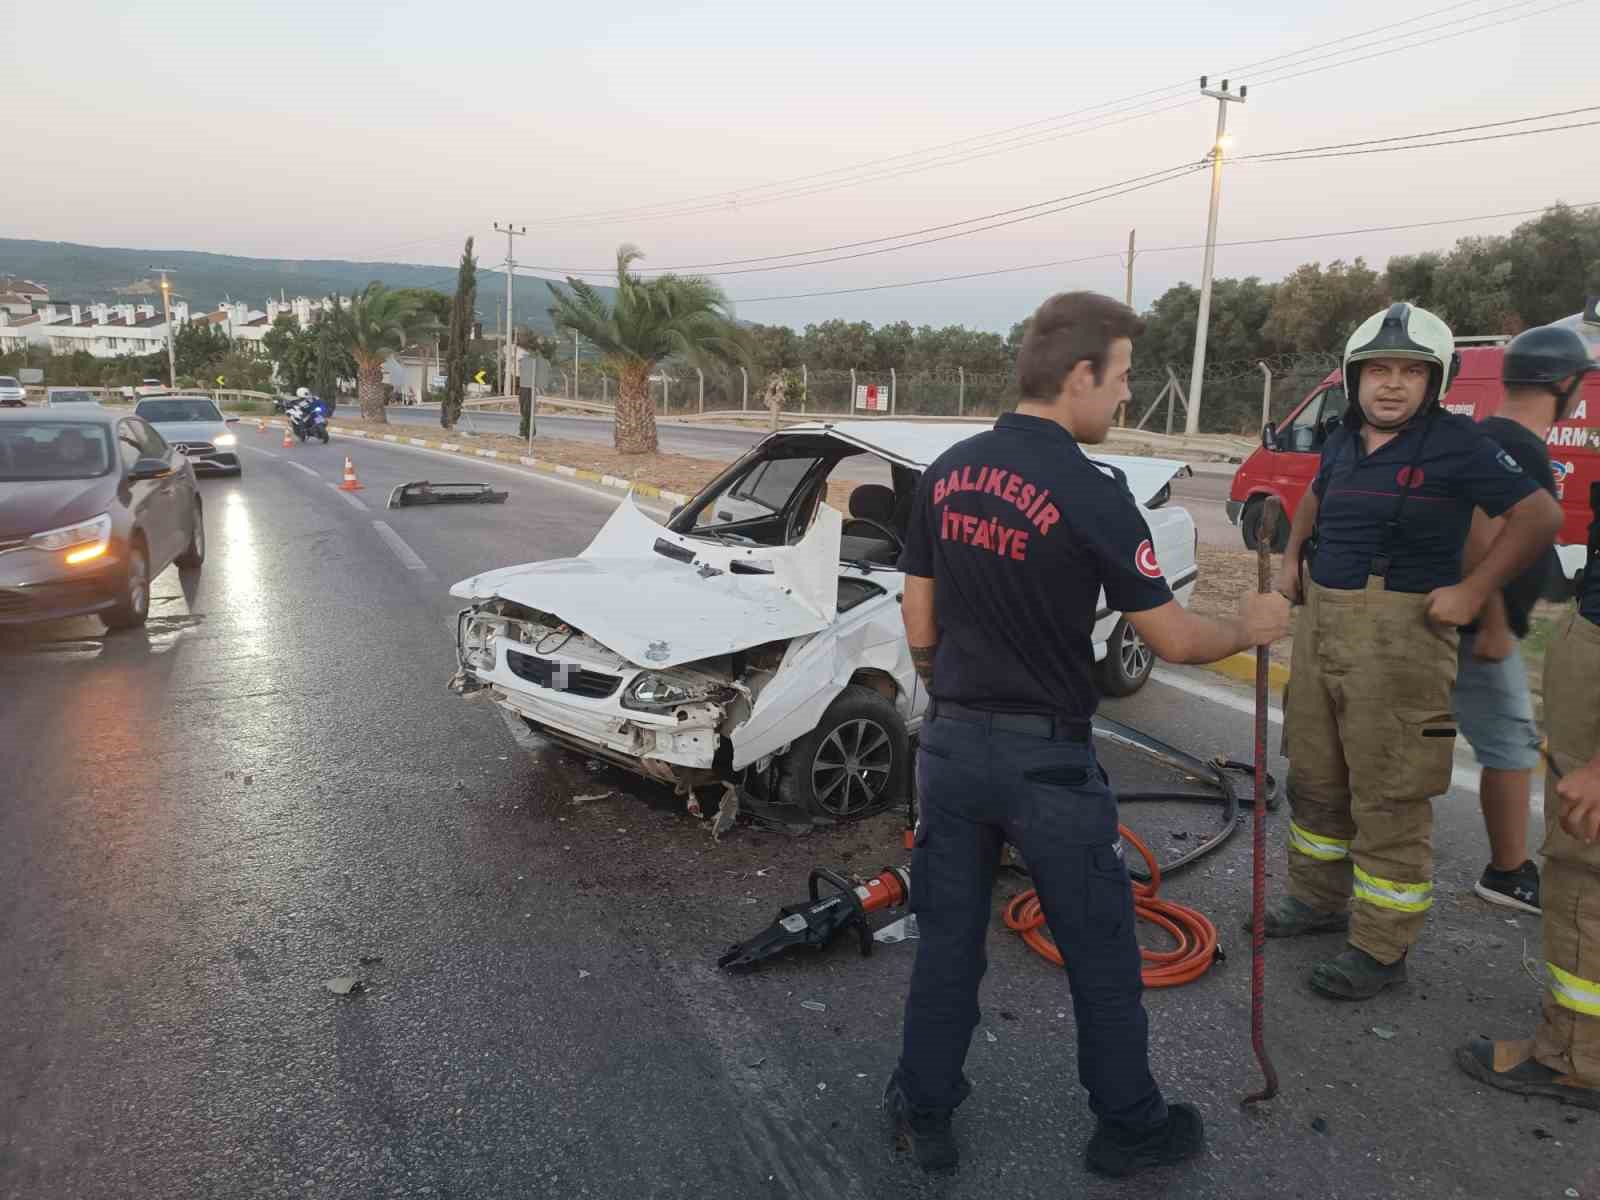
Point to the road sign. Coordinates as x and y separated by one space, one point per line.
478 378
30 375
872 397
221 382
439 381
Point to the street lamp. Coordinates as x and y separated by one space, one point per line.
1197 374
166 308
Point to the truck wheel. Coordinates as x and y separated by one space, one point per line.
1128 661
853 764
1250 526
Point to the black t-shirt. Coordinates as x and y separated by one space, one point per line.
1589 598
1019 531
1452 468
1523 592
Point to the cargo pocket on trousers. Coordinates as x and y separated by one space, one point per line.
1425 755
1110 899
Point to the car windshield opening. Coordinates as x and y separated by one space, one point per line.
40 450
157 411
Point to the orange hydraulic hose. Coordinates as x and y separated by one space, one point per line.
1193 931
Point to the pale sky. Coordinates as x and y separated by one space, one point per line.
360 130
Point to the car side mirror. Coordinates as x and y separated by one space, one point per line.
150 468
1269 436
673 515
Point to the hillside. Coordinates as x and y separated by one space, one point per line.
83 274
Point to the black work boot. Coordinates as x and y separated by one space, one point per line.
1116 1152
923 1131
1511 1067
1355 975
1288 917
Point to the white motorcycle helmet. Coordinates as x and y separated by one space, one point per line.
302 393
1400 331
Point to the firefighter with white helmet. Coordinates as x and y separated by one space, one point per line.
1368 726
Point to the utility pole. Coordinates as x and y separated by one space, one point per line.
1127 294
576 337
508 378
166 308
1196 377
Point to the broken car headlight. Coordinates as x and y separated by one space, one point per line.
653 691
477 642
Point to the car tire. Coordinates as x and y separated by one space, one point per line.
133 606
195 554
853 764
1250 526
1128 661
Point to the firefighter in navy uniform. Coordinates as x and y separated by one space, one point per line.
1368 729
1013 535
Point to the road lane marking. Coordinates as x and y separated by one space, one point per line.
258 450
351 497
1464 777
306 469
403 552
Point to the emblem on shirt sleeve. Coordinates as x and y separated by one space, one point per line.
1145 559
1509 463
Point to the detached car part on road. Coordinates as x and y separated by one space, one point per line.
93 506
755 641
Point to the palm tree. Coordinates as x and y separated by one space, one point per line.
671 316
373 324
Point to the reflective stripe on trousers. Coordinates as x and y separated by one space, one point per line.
1314 845
1387 893
1571 991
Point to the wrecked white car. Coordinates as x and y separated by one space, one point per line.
754 641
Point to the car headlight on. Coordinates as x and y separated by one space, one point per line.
652 691
85 541
225 439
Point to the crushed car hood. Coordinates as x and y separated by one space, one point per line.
697 599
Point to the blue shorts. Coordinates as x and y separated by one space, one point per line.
1495 711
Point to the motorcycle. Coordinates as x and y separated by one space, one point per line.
308 421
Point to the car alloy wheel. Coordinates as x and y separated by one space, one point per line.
852 767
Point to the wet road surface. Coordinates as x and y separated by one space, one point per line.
270 787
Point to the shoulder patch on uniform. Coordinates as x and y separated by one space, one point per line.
1144 558
1509 463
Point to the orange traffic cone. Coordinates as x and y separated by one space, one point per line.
351 483
261 424
288 442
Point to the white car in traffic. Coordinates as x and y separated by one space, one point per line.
755 639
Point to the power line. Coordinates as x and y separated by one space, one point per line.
1491 137
715 201
1050 207
1180 169
1064 262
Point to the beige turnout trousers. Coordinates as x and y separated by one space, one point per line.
1569 1035
1369 735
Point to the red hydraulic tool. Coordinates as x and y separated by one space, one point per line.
818 922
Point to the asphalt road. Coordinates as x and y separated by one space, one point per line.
270 787
1202 495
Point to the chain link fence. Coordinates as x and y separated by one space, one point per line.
1231 400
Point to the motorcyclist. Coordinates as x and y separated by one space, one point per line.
301 412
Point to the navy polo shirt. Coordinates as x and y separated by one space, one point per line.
1453 468
1019 530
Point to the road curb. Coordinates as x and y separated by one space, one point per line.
1243 668
594 479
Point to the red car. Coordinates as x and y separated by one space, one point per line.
1290 449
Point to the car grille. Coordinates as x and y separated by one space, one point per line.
193 448
562 677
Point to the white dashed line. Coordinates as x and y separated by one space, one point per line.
263 453
403 552
350 497
306 469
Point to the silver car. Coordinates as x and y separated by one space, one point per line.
12 393
197 429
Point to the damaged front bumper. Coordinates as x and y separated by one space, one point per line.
665 725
